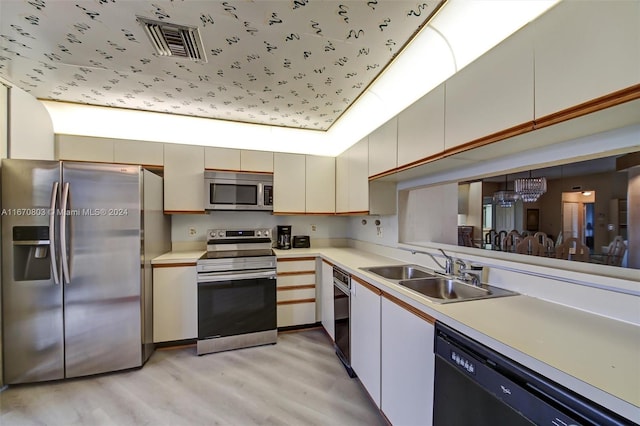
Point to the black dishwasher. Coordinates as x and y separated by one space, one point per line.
476 386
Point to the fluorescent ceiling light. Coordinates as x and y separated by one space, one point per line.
461 32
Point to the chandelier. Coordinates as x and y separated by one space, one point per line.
505 198
530 189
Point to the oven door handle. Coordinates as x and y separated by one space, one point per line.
225 276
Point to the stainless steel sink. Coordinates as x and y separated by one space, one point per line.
399 272
447 290
435 286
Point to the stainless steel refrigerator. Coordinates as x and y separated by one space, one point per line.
77 239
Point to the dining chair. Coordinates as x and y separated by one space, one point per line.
572 249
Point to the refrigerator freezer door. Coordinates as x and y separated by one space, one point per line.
103 297
32 301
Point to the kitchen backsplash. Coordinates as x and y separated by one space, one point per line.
189 231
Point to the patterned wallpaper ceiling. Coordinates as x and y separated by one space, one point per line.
293 63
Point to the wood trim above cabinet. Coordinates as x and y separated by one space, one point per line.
598 104
358 213
238 171
173 265
407 307
368 286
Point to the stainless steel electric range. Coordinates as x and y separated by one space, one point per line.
236 290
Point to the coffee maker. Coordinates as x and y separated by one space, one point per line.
283 236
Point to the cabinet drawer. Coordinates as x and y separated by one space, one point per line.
289 294
296 264
296 280
296 313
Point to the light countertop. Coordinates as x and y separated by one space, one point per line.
172 257
597 357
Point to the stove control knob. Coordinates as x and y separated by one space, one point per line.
258 234
221 234
212 234
266 232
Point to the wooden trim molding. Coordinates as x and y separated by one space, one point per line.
296 287
173 265
304 213
296 259
407 307
603 102
184 212
296 302
355 213
294 273
328 263
237 171
598 104
366 285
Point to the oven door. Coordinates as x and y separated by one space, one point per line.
231 304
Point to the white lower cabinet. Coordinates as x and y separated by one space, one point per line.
365 336
407 364
327 315
296 291
175 303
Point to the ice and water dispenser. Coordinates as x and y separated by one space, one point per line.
31 253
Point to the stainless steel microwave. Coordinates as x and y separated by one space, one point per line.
238 191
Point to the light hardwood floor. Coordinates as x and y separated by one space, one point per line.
298 381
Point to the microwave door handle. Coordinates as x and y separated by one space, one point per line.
260 200
63 234
52 232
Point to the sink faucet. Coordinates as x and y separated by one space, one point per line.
448 266
448 269
466 274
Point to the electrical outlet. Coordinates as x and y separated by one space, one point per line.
192 231
313 228
379 231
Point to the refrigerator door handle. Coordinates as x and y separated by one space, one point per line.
63 234
52 232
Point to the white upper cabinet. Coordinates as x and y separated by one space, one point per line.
491 94
83 148
359 177
108 150
138 152
183 178
221 158
584 50
216 158
421 128
256 161
289 183
320 184
383 147
354 193
342 182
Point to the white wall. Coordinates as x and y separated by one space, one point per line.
31 130
327 227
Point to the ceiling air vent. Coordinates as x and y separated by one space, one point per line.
174 40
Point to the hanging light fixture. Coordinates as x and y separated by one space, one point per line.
505 198
530 189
